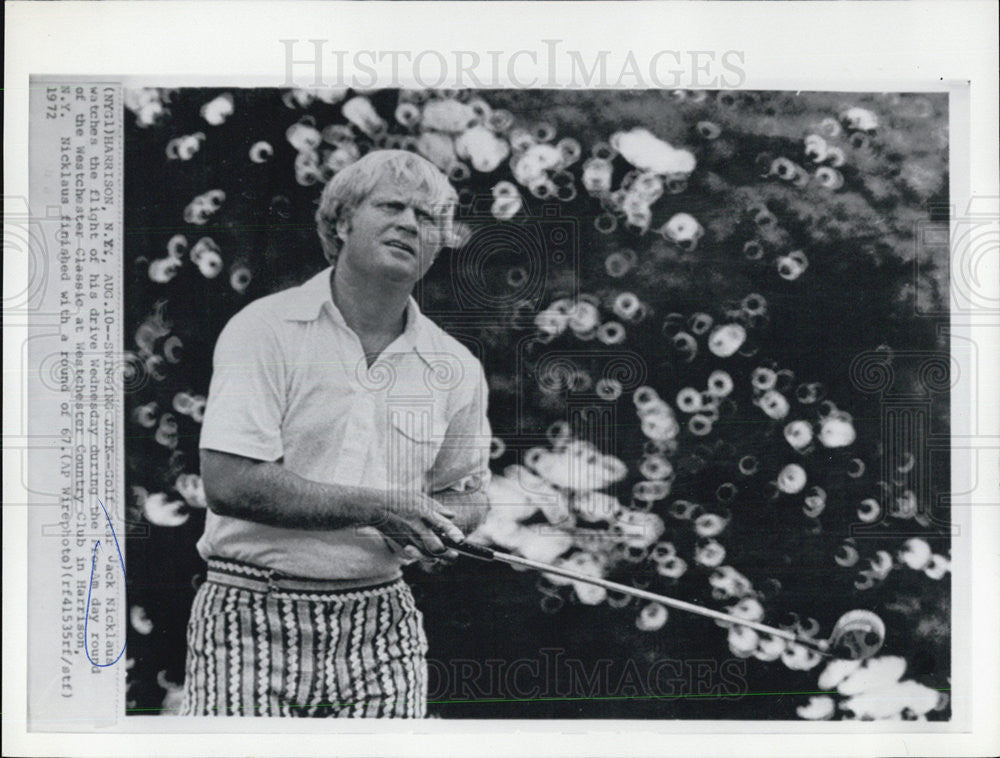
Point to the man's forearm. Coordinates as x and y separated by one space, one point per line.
268 493
469 507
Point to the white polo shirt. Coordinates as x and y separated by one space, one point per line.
290 384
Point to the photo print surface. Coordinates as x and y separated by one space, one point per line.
713 329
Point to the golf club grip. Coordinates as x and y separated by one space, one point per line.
468 548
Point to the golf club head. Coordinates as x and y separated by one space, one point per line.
857 635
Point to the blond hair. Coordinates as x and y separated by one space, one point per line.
350 186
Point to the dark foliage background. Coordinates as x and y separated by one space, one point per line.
863 289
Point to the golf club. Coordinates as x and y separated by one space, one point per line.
857 635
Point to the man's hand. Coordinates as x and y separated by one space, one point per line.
414 522
470 507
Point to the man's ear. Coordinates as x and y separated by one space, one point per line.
342 228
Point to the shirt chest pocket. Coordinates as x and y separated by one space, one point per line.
415 436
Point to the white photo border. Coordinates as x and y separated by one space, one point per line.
821 46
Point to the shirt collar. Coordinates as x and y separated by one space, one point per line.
314 294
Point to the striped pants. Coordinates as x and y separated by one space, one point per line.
260 652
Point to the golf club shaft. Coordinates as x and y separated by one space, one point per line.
488 554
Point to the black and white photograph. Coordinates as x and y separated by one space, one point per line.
511 379
537 404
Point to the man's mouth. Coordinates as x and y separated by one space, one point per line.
400 245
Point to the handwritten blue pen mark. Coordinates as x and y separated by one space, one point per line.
93 564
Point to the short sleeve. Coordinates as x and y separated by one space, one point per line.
462 463
246 396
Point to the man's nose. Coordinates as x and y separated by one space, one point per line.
407 219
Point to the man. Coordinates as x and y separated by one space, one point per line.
334 409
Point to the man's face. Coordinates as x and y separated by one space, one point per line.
394 234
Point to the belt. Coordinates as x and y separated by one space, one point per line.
259 579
